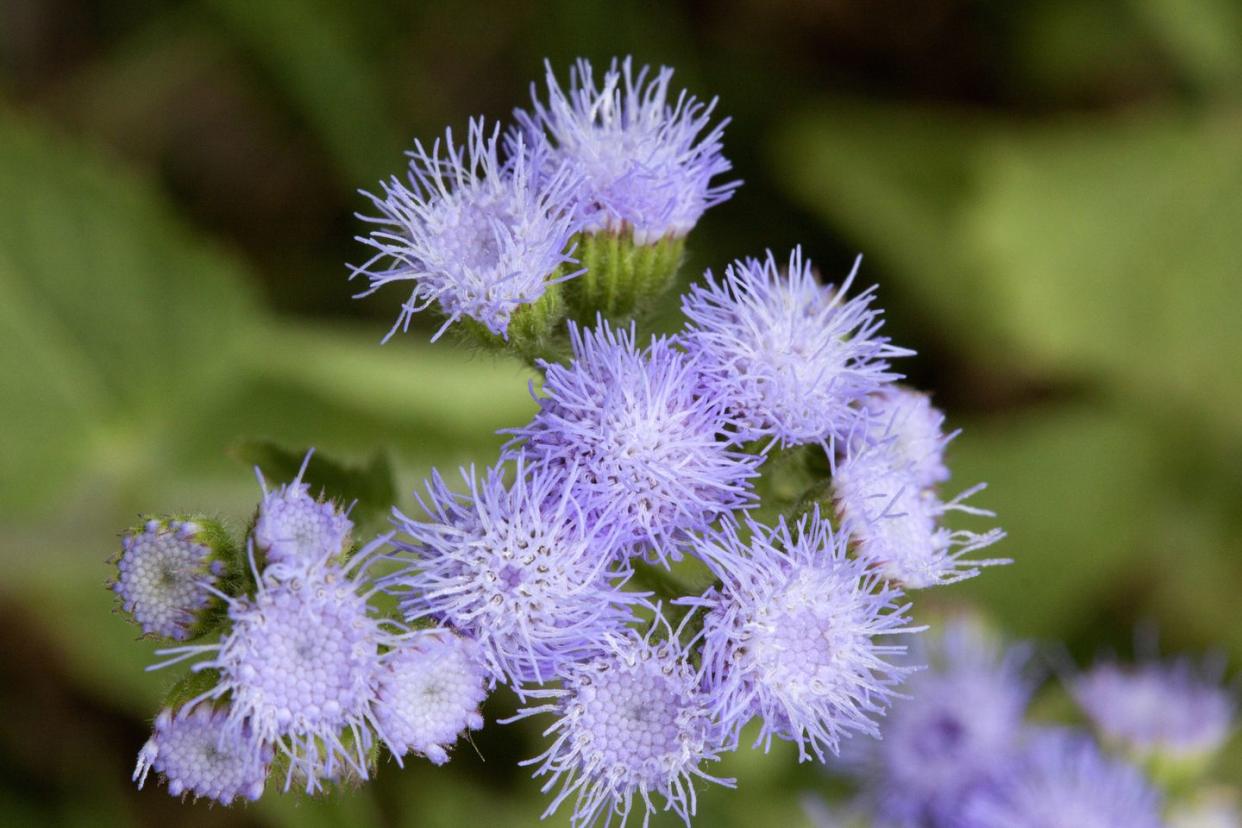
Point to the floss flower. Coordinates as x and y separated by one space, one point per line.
166 572
898 524
645 161
1061 780
429 694
296 530
959 724
199 752
794 634
630 724
516 566
1169 708
651 457
791 358
914 432
480 237
301 667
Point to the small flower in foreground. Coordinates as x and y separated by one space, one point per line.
650 452
960 725
898 525
1063 780
477 236
301 667
198 752
429 694
1173 708
165 575
789 357
630 723
644 163
793 635
516 566
295 529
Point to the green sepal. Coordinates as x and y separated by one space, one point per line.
536 330
190 686
622 279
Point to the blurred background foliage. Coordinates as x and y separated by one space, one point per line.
1048 193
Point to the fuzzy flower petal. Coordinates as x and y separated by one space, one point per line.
630 724
650 452
476 236
795 635
1063 780
645 159
430 693
515 566
899 526
788 356
199 753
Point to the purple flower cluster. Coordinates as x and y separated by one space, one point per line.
958 752
624 566
306 675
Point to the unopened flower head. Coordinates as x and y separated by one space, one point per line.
516 565
475 235
1172 708
429 694
898 525
797 634
301 667
199 752
165 575
296 530
650 456
631 724
1062 779
960 723
790 357
645 159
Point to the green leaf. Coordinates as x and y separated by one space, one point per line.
370 487
1114 248
1078 490
312 51
113 316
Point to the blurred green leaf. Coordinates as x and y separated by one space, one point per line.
1114 251
1077 489
371 488
308 47
112 315
1204 37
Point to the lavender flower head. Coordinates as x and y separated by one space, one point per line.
631 723
789 356
198 752
651 457
295 529
644 162
516 566
1061 780
959 725
1170 708
301 666
165 575
429 694
794 635
914 430
898 524
477 236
